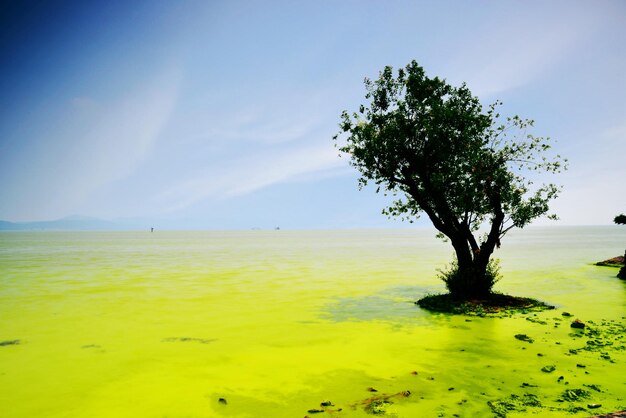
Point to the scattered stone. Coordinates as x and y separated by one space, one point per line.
540 354
370 389
560 379
606 356
574 409
528 385
620 414
223 401
573 395
578 324
450 388
187 339
378 407
594 387
548 369
581 366
91 346
513 403
327 403
414 373
9 342
524 337
315 411
594 405
566 314
537 321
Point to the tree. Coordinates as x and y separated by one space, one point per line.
621 220
434 148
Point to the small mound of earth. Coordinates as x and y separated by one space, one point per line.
612 262
496 304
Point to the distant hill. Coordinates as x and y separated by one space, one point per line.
70 223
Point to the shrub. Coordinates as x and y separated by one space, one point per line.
457 284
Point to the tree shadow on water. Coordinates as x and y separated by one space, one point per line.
395 304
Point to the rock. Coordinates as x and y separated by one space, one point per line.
548 369
524 337
612 262
370 389
573 395
594 405
578 324
9 342
315 411
188 339
617 414
566 314
222 401
327 403
377 407
593 386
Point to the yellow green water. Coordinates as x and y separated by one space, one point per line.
164 324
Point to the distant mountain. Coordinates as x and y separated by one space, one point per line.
70 223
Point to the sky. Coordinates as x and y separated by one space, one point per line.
220 114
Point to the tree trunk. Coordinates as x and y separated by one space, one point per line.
470 279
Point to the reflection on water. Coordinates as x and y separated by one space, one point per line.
273 323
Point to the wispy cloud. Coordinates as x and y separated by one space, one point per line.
509 53
251 173
259 125
123 134
92 144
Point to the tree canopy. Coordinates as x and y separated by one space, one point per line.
620 219
436 149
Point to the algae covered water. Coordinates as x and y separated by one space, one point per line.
291 323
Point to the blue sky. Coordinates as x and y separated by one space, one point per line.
220 114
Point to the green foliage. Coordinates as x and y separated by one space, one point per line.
434 148
620 219
460 282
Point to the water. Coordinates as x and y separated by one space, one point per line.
164 324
